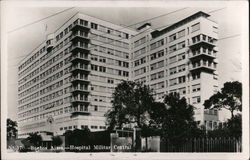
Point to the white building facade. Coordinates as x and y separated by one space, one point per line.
67 82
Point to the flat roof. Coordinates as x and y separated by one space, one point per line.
157 33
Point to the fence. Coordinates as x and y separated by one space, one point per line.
221 144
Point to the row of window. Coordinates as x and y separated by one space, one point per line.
32 66
157 65
156 86
29 76
51 61
140 42
178 80
109 70
42 116
156 55
26 99
29 105
157 44
104 79
102 89
98 98
140 71
178 69
51 96
140 52
157 75
110 51
28 91
140 61
51 70
31 59
159 54
109 61
111 41
51 78
176 47
51 87
109 30
51 105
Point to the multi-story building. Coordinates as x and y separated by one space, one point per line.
67 82
180 58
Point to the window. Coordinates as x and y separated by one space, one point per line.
173 70
172 59
173 81
160 74
172 48
93 127
181 56
181 45
195 27
196 87
172 37
94 26
182 79
95 108
196 99
181 68
181 33
153 76
182 91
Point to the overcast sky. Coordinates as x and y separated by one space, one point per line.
22 41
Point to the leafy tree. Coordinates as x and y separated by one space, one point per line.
11 129
230 98
56 140
34 139
132 101
178 123
234 126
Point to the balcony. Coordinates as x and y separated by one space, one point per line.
79 47
79 89
203 66
80 36
80 68
79 100
79 110
80 58
78 79
202 40
78 26
202 53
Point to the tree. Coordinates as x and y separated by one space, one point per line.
34 139
11 129
56 140
229 98
178 122
131 103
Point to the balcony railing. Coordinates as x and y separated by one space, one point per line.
203 65
202 40
202 53
78 57
77 26
80 35
78 99
78 46
80 89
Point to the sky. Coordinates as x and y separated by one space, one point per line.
21 41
